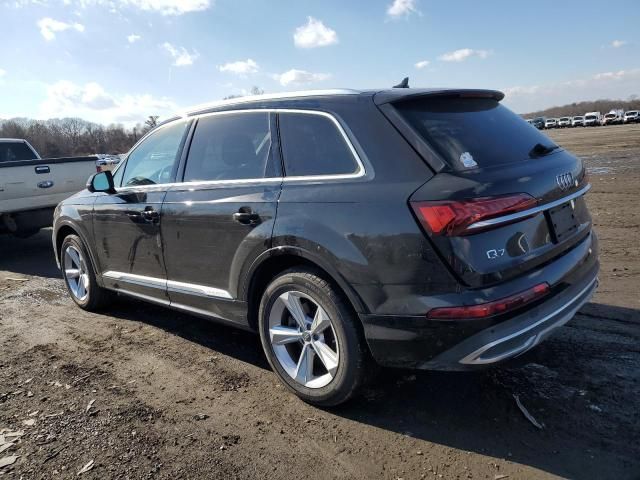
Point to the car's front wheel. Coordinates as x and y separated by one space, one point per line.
310 337
79 276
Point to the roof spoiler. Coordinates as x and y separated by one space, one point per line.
405 94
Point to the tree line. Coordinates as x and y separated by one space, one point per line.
603 106
66 137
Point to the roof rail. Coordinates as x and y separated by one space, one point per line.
269 96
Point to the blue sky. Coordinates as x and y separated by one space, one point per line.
121 60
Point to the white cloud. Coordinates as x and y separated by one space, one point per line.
49 27
91 102
617 85
133 38
314 34
300 77
240 67
181 57
402 8
618 43
422 64
164 7
463 54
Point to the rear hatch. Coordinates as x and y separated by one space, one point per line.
505 199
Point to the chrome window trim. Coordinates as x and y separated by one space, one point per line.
360 171
170 285
529 212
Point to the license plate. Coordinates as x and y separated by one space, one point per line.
563 220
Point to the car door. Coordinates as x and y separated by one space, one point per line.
127 223
220 218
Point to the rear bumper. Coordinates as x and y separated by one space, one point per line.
417 342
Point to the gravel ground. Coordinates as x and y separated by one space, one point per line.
142 392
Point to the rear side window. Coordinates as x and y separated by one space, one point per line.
153 161
313 145
13 152
473 131
232 146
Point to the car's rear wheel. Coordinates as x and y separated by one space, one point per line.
79 277
310 337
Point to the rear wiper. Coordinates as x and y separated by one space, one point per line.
540 150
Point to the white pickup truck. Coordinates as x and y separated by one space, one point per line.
31 187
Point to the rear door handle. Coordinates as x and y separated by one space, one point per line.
246 216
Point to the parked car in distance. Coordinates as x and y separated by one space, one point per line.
31 187
551 123
592 119
107 162
282 214
632 116
539 122
614 117
577 121
564 122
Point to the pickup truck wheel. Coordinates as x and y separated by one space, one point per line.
310 338
79 277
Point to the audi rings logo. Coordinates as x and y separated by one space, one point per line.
564 180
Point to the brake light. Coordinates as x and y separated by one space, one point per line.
484 310
452 218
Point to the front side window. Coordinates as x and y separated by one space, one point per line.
153 161
313 145
231 146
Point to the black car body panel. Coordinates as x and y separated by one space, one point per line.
204 245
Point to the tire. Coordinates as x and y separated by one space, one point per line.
79 276
345 361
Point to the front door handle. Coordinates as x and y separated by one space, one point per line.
150 214
246 216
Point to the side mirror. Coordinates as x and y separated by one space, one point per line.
101 182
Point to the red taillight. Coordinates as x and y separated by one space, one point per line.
453 217
484 310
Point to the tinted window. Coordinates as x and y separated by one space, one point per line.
153 160
12 152
313 145
465 131
232 146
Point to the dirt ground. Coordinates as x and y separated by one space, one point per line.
142 392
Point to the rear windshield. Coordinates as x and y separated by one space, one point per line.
14 151
473 131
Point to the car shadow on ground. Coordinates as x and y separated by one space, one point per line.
29 256
566 384
581 386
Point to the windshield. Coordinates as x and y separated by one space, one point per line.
472 131
631 113
15 151
610 115
590 117
565 119
577 118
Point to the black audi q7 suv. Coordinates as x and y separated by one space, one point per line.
420 228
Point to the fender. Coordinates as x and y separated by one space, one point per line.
246 277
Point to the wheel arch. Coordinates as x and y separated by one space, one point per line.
63 229
277 260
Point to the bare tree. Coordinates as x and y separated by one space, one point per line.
151 122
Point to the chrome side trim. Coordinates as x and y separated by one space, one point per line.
529 212
572 307
358 173
170 285
142 280
199 290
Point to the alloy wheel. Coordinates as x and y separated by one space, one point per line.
75 273
303 339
